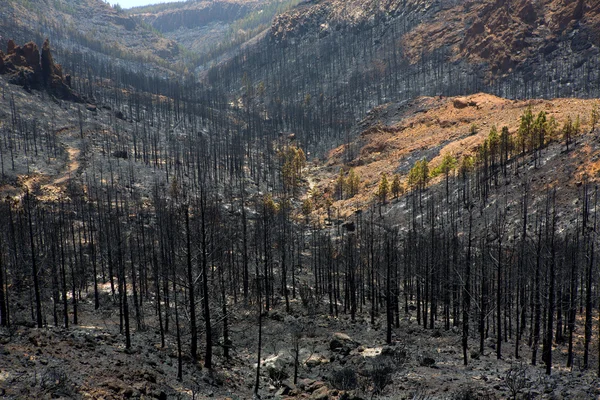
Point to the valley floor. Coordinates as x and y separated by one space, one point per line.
89 360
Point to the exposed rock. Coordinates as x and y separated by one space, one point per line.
28 68
341 340
278 366
315 361
120 388
399 353
31 54
504 36
314 386
47 61
286 389
462 102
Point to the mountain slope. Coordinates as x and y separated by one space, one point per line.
87 26
352 56
507 35
211 29
393 137
167 239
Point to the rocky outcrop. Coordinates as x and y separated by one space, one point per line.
499 35
26 67
505 35
461 102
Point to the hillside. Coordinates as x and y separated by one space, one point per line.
212 29
88 27
89 359
352 56
511 35
284 199
394 136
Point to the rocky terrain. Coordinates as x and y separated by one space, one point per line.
324 17
507 35
502 35
394 136
337 360
26 67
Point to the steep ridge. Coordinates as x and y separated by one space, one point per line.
319 17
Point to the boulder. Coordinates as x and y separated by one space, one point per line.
315 361
286 389
340 340
314 386
278 366
462 102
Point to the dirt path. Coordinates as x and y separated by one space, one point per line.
72 167
52 183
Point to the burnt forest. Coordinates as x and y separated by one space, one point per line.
300 199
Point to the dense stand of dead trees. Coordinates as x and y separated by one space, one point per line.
187 252
205 242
